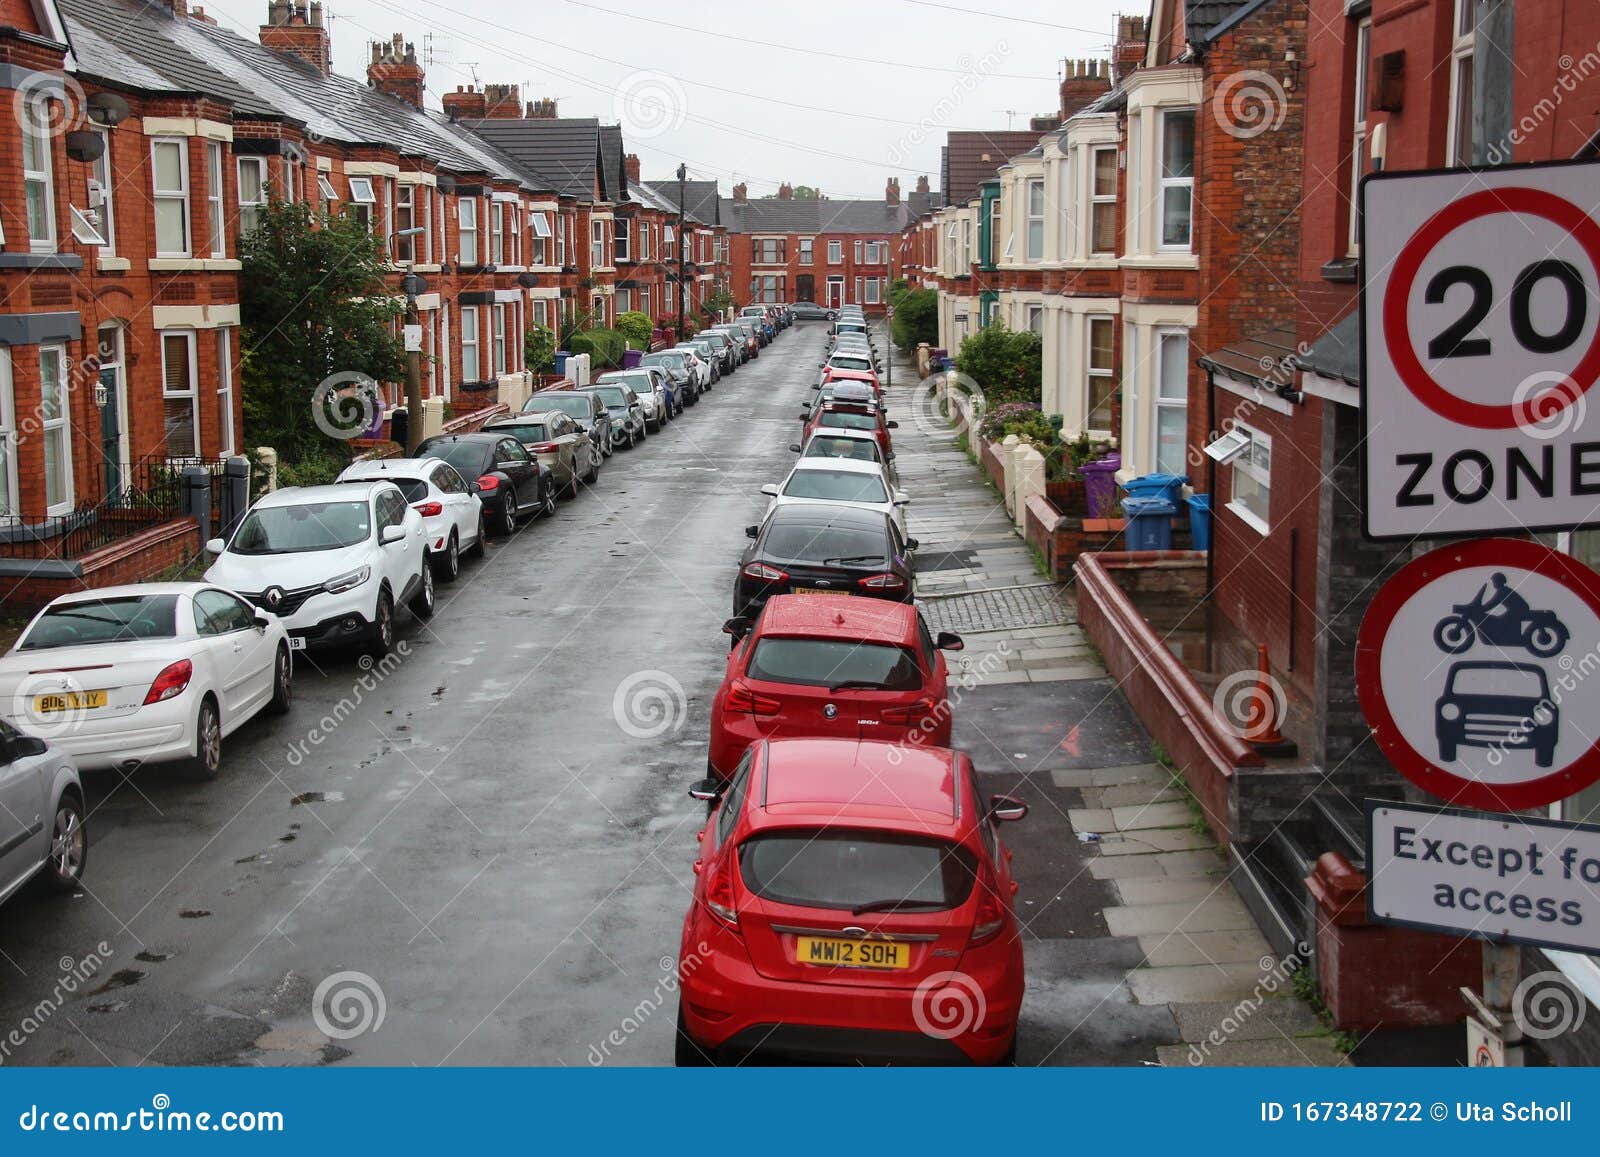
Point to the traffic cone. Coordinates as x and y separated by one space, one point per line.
1261 728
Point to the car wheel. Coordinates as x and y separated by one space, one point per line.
594 468
476 549
382 641
570 490
505 520
685 1053
207 759
69 846
547 506
421 603
448 563
282 682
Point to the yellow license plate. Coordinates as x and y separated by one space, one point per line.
827 951
68 701
815 591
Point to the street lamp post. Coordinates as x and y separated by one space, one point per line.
683 174
413 286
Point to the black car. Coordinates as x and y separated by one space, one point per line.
506 478
628 426
823 550
585 409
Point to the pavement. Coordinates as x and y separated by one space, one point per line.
479 853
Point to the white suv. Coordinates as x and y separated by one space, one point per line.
332 562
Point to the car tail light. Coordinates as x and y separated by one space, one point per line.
760 570
910 713
543 448
429 509
883 582
719 891
172 680
488 484
991 914
742 698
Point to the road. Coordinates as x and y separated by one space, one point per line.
504 854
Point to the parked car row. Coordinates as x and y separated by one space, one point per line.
851 874
118 677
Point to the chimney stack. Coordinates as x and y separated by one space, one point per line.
741 191
1083 82
543 109
466 103
891 191
198 14
630 165
296 28
1130 45
502 102
394 70
786 192
179 8
922 184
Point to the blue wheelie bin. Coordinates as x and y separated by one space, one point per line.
1199 521
1149 523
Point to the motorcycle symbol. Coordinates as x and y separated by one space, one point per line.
1518 626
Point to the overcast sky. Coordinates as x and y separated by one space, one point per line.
840 94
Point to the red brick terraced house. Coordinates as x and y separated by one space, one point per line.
831 252
919 243
700 249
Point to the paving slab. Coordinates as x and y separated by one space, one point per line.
1239 946
1136 817
1173 890
1271 1017
1301 1052
1110 776
1090 819
1200 863
1134 794
1126 868
1214 914
1192 982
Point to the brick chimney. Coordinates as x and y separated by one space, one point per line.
741 193
922 184
1083 82
466 103
1130 45
630 165
502 102
543 109
296 28
198 14
786 192
394 70
891 191
179 8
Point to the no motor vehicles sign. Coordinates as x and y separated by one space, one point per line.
1480 348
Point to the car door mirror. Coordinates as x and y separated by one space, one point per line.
24 747
1006 809
706 790
216 546
891 425
794 447
949 641
392 534
901 498
751 531
738 627
770 490
262 619
912 544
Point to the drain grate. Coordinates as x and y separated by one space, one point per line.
1002 609
936 560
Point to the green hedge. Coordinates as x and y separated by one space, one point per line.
605 347
636 327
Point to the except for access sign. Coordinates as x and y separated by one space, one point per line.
1480 349
1478 669
1493 877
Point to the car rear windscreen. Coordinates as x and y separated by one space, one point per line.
574 405
860 449
849 421
830 662
104 621
836 486
817 543
832 868
851 364
524 431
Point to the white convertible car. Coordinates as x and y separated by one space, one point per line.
151 672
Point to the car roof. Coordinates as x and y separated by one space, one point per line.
521 418
131 590
855 618
332 492
471 437
841 465
844 432
821 514
902 787
838 374
377 469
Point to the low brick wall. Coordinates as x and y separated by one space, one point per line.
137 558
467 423
1039 520
990 461
1161 690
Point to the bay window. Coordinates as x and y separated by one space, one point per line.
624 240
499 339
541 238
169 165
1177 177
252 176
470 371
1252 479
467 214
224 391
1035 250
214 213
55 428
179 409
597 243
1103 201
1172 401
405 217
497 233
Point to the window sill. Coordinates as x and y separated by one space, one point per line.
425 268
1341 270
1250 519
112 264
1176 259
194 265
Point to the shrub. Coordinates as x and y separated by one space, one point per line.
1008 365
916 317
636 327
540 348
605 347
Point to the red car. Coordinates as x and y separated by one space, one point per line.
852 900
831 665
843 415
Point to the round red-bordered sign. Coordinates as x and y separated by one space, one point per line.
1397 297
1546 786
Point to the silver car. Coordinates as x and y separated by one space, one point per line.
41 813
647 387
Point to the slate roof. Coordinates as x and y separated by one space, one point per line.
564 151
771 215
973 157
921 203
701 201
1205 20
1337 353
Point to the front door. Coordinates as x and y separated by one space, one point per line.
835 292
805 288
111 413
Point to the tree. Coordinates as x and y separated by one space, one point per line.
313 303
1007 365
540 348
799 193
916 317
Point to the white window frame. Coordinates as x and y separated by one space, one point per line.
498 338
225 431
1033 318
251 209
497 233
8 436
179 195
1165 183
101 172
215 216
364 200
59 426
1463 63
467 230
835 252
469 344
192 393
405 217
1033 249
807 250
324 186
1160 402
597 243
41 176
623 239
1358 132
1259 476
874 291
1092 373
539 223
1101 202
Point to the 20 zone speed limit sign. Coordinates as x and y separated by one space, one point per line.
1480 349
